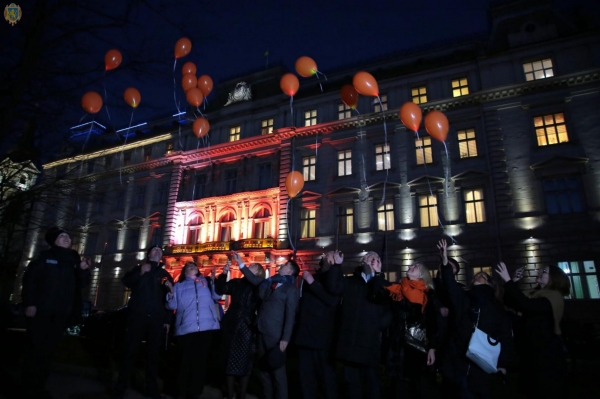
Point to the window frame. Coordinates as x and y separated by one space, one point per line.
466 141
425 150
309 164
583 277
308 223
235 133
387 210
419 94
345 219
428 206
381 150
344 163
533 72
267 126
474 202
310 117
460 87
538 128
384 102
344 111
579 190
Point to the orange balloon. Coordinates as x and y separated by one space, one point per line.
349 96
194 96
294 183
132 97
201 127
205 84
188 67
365 84
436 125
91 102
410 115
289 84
188 82
306 67
183 47
112 59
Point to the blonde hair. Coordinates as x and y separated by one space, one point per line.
425 275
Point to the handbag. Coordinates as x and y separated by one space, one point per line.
484 350
415 336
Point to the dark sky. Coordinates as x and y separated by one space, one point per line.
229 38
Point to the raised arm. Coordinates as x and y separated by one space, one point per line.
514 298
456 294
251 277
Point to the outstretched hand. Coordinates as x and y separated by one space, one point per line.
503 272
338 257
308 277
236 258
442 246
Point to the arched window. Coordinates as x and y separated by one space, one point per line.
195 229
262 223
226 222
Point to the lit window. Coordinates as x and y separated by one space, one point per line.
460 87
310 118
230 181
195 230
262 224
423 150
428 210
309 168
264 176
345 219
226 222
550 129
419 95
344 111
540 69
583 277
467 145
385 216
344 163
308 223
382 157
563 196
384 102
266 126
234 133
474 206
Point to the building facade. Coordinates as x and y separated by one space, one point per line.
517 179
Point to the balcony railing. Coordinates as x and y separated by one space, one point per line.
221 246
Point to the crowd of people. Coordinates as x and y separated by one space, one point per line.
415 329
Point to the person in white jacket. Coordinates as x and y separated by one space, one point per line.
193 298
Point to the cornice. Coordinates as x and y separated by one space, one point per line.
229 199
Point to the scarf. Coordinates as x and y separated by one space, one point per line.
558 305
413 290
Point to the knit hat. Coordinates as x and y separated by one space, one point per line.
455 263
52 234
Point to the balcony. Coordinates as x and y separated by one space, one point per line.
222 246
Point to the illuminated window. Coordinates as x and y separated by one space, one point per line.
423 150
141 196
308 223
199 187
474 206
382 157
195 230
344 163
230 181
264 176
419 95
310 118
385 216
226 223
551 129
467 145
262 224
563 196
234 133
540 69
460 87
133 241
583 277
344 111
309 168
266 126
345 219
428 210
384 102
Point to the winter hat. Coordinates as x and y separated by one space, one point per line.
52 234
455 263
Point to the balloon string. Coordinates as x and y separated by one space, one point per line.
316 146
319 72
123 147
430 189
320 85
385 148
287 214
198 109
292 109
84 144
358 113
447 171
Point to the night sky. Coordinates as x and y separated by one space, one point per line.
46 75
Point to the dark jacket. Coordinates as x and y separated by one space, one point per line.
318 306
542 359
53 282
364 314
467 306
148 292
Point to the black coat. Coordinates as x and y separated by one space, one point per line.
318 306
467 306
364 314
148 292
542 359
53 282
